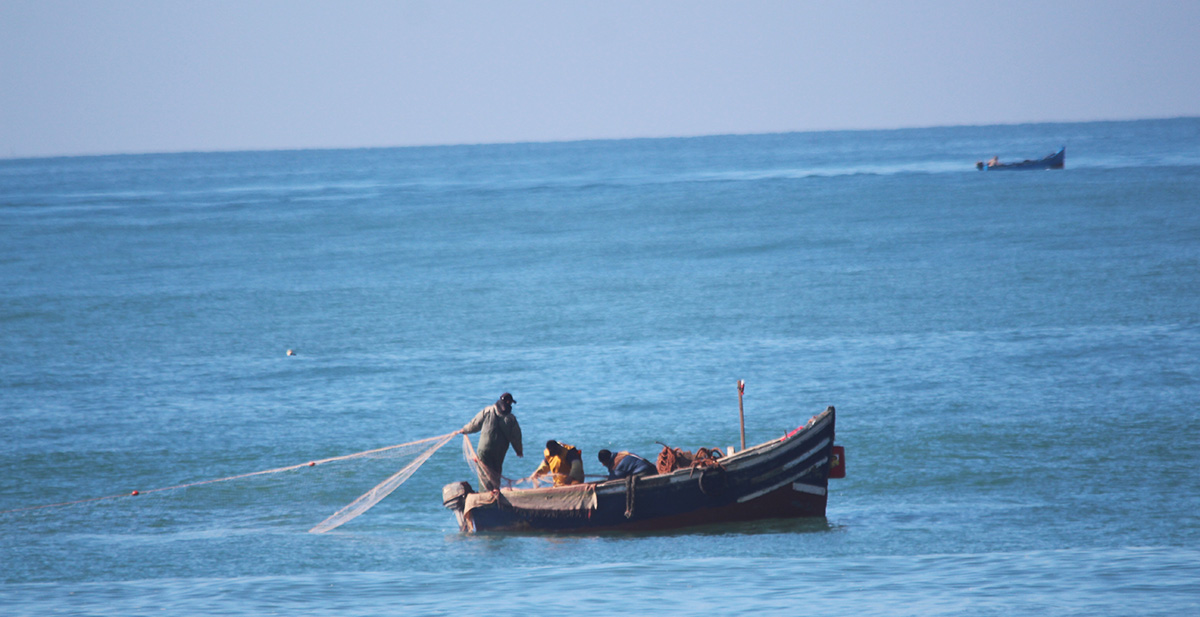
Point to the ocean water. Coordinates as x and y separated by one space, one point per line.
1013 357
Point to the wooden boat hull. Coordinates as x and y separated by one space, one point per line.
783 478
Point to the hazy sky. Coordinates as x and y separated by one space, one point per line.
165 75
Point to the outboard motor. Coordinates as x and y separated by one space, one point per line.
453 495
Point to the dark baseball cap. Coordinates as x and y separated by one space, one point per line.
508 397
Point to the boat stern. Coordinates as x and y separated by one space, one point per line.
454 498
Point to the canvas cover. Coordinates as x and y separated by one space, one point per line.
561 499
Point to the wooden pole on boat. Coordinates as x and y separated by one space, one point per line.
741 411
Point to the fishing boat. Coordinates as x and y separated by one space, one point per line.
786 477
1050 161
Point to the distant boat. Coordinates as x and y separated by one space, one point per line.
1052 161
783 478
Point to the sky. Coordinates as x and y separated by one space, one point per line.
92 77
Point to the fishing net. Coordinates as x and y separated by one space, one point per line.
469 456
271 496
483 472
381 490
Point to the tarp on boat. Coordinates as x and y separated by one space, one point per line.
564 499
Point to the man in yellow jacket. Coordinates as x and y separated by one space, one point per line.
562 460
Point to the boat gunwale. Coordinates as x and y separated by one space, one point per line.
754 455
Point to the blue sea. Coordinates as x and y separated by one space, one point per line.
1014 357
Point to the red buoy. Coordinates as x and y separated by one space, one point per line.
311 463
133 493
837 462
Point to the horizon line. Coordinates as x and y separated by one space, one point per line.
573 140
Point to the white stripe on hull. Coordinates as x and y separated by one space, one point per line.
801 487
760 493
794 462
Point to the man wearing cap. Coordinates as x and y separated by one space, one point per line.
498 429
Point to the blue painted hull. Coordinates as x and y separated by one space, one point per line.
784 478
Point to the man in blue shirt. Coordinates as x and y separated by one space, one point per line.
625 464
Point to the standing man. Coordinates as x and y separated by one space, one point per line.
498 429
